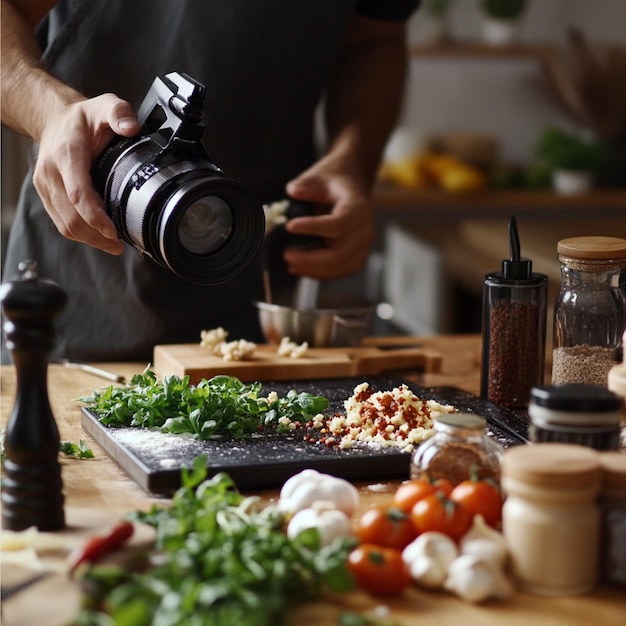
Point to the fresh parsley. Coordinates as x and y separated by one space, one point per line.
222 405
219 559
78 450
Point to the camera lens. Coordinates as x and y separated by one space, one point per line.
206 225
180 210
169 200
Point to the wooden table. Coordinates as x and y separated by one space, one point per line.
98 493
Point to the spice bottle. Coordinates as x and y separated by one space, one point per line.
613 512
513 329
550 518
589 415
590 309
459 449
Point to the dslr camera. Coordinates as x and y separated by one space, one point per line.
169 200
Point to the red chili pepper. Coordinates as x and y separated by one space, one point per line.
96 547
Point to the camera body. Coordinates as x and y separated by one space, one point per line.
169 200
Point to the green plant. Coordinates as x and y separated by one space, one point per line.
438 8
559 149
504 9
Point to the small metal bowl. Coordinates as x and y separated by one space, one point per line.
335 323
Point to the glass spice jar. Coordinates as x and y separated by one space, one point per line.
613 516
460 449
550 518
590 309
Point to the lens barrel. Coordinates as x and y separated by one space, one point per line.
177 207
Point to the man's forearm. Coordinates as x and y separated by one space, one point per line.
29 95
365 98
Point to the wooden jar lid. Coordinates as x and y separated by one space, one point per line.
593 247
552 466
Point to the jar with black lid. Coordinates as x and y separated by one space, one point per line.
590 310
589 415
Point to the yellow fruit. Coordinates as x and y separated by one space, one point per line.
406 173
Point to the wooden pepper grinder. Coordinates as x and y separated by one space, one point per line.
32 489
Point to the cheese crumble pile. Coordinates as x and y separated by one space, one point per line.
292 349
395 418
215 341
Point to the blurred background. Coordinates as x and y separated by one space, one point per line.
501 94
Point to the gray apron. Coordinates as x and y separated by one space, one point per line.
263 84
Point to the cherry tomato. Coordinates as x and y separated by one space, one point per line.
481 498
386 526
436 512
409 492
380 571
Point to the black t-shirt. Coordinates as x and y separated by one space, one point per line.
265 66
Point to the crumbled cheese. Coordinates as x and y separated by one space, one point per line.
275 214
212 338
215 341
237 350
387 418
291 349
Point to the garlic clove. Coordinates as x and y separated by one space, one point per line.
484 541
428 572
428 558
475 580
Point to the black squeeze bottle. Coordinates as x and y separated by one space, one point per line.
32 488
513 330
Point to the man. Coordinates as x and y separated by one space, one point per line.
73 75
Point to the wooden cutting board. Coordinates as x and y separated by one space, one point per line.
197 362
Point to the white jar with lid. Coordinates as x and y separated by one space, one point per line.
550 518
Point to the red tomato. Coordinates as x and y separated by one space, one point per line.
386 526
443 485
409 492
439 513
379 571
481 498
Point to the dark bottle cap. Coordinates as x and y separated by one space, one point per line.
576 398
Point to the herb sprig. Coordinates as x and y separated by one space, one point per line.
222 405
220 559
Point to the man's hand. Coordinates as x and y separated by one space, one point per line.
69 142
345 221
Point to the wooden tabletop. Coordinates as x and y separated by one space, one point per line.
98 493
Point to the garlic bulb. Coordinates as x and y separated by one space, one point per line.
484 541
428 558
308 486
474 579
330 522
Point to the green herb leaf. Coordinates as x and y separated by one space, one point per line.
222 405
222 559
80 450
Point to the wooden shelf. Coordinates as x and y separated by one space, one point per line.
476 51
389 199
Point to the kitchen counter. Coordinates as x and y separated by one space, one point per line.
98 493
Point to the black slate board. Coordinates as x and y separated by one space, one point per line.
154 459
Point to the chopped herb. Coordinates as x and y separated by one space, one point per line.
79 450
222 405
220 559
